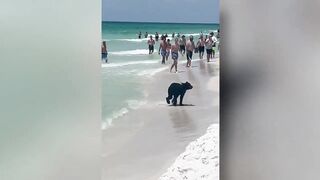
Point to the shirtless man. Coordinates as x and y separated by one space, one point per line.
209 45
182 43
175 54
163 49
214 39
200 46
104 51
190 48
168 49
139 36
146 35
157 36
151 43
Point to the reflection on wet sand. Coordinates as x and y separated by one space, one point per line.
182 122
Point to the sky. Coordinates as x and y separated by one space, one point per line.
173 11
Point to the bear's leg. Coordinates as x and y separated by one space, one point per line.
174 101
169 97
181 99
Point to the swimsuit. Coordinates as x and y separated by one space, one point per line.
151 47
201 48
163 52
174 55
189 55
104 56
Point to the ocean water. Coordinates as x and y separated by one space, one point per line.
129 63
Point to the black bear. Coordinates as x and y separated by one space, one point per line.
176 90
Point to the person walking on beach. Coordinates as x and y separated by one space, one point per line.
151 45
175 54
190 48
104 51
146 35
214 39
209 45
168 49
139 36
200 45
157 36
163 49
182 43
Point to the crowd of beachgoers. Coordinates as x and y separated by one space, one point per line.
181 44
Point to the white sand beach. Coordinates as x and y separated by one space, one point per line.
151 141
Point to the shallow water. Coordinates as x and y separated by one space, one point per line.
129 63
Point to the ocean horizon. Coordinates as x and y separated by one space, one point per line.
149 22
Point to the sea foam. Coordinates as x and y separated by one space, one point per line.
111 65
132 52
131 105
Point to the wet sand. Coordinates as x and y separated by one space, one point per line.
142 144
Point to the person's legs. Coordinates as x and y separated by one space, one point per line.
163 54
176 65
189 56
208 55
171 67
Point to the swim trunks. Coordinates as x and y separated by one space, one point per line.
209 51
201 48
183 47
163 52
151 47
189 55
104 56
174 55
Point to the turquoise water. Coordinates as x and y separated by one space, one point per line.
129 63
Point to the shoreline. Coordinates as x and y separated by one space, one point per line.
144 142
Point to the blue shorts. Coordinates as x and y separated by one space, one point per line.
163 52
104 56
174 55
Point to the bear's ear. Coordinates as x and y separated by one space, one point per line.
187 82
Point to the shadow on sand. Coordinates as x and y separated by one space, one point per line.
182 105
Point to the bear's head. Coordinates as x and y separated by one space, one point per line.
187 85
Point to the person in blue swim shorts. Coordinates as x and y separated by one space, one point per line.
175 55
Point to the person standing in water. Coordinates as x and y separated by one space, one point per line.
182 43
200 46
214 39
163 49
209 45
190 48
175 54
139 36
157 36
168 49
104 51
151 45
146 35
173 35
